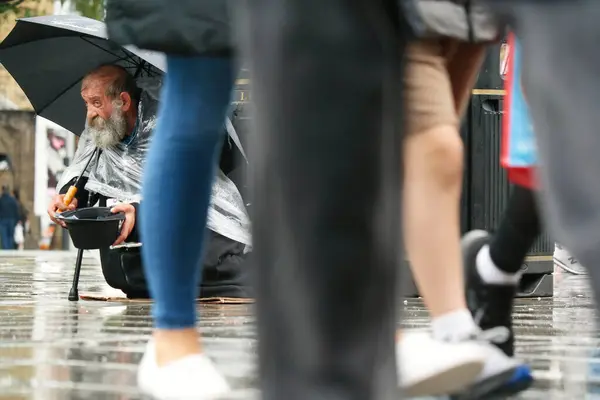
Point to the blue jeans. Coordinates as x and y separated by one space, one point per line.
177 183
7 233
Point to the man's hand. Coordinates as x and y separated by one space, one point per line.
129 222
57 205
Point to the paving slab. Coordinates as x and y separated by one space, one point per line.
51 348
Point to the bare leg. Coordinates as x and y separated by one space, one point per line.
433 154
433 179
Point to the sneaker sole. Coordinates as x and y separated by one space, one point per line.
565 267
451 380
485 389
521 380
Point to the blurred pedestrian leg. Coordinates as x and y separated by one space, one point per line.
561 76
326 79
177 185
5 232
9 215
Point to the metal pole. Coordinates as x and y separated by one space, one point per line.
65 233
74 292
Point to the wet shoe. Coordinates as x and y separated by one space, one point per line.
567 262
499 369
491 305
520 381
430 367
190 378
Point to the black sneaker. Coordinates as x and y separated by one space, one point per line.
490 305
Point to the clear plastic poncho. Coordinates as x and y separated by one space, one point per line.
117 172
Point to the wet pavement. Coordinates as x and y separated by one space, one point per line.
51 348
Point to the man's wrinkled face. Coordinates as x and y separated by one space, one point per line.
105 121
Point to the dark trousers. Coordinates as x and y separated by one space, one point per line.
326 85
7 233
561 78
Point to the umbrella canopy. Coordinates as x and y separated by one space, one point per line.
49 56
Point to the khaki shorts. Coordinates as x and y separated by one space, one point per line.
439 77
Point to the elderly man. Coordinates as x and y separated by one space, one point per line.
119 122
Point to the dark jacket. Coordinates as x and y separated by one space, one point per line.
9 208
466 20
22 212
183 27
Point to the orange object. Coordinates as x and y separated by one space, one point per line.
69 196
73 189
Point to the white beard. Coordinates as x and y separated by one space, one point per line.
108 133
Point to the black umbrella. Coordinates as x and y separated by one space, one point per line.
49 56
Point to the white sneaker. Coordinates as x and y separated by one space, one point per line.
429 367
498 368
566 261
191 378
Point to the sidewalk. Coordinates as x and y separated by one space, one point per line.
51 348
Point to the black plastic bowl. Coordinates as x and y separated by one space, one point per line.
93 227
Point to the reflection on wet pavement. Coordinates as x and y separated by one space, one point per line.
51 348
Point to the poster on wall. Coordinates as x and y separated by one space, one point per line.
54 148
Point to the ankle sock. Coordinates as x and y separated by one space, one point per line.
490 273
453 326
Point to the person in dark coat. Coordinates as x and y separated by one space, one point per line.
9 215
327 86
23 213
22 226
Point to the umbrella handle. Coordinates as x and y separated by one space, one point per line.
69 196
